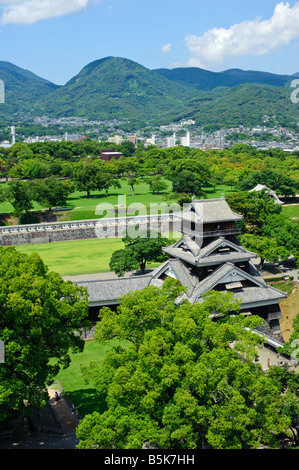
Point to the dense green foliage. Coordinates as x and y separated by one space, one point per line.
89 175
180 384
277 181
205 80
39 317
22 90
140 248
266 231
51 192
115 88
245 104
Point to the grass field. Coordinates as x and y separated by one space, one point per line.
80 207
77 257
79 202
82 395
291 211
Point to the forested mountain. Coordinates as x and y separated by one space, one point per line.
247 104
206 80
22 89
118 88
115 87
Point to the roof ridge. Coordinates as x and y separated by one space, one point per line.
115 279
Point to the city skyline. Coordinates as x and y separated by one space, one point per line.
56 39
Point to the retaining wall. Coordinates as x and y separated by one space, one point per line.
86 229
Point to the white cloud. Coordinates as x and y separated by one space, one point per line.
30 11
166 48
256 37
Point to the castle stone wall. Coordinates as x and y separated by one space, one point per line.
83 230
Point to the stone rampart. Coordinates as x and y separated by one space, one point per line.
86 229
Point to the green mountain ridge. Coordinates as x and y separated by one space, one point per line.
205 80
246 104
118 88
22 89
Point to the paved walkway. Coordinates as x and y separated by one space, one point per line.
268 357
60 421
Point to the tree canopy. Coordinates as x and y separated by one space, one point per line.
145 247
182 380
39 317
51 192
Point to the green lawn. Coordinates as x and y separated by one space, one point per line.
82 395
81 207
78 201
76 257
291 211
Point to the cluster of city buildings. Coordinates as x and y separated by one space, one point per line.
185 133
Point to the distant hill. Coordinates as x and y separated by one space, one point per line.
245 104
22 89
205 80
118 88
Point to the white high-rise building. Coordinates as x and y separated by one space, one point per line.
185 141
171 141
13 133
117 139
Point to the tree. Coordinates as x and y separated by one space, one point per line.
146 247
39 317
231 178
266 248
133 182
284 230
92 175
127 148
51 192
273 179
255 207
174 379
19 195
106 180
86 176
187 182
157 185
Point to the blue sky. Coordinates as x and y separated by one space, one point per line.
56 38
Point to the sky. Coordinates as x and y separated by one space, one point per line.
55 39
